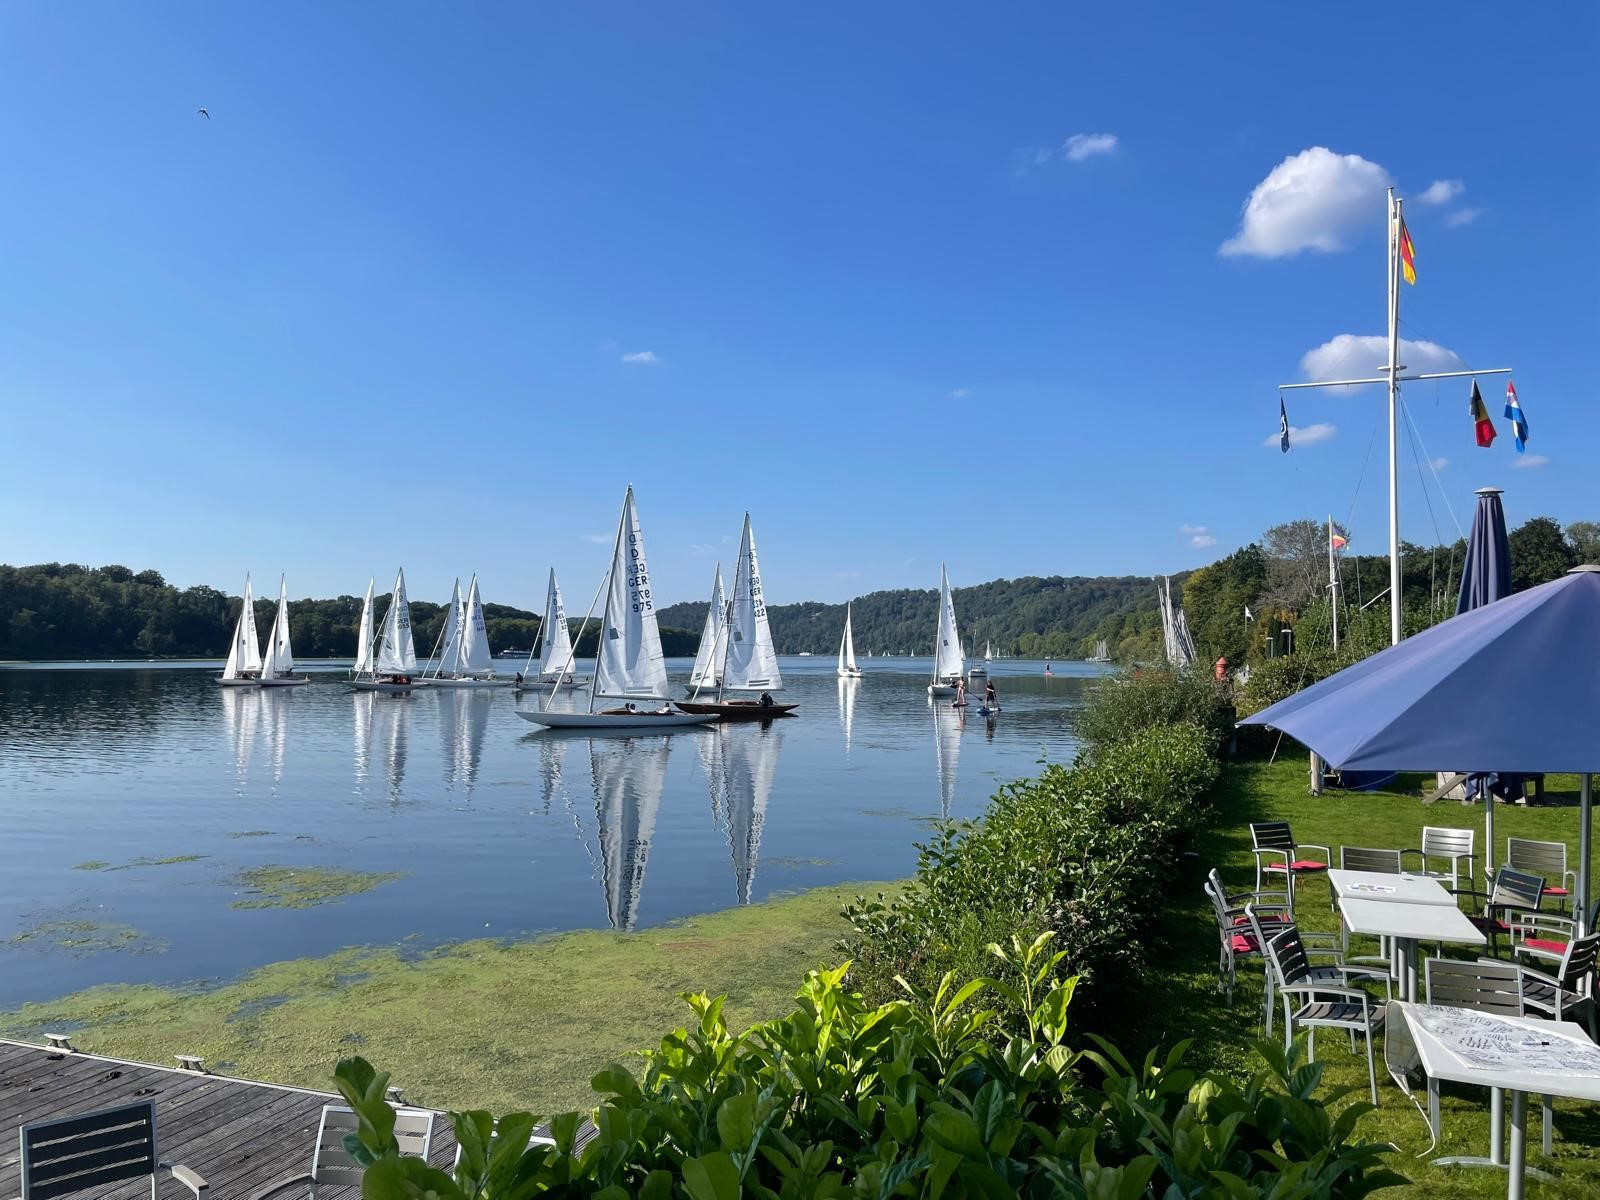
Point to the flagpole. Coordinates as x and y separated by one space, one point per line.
1333 584
1396 594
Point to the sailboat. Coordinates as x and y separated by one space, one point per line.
847 651
947 660
555 654
244 655
447 648
395 667
473 664
277 664
629 664
749 662
713 640
1100 652
980 669
362 667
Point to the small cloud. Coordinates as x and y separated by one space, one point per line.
1310 201
644 358
1042 156
1191 529
960 394
1439 464
599 539
1201 540
1322 431
1442 191
1523 461
1352 356
1086 145
1463 216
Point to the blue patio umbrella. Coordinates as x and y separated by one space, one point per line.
1511 686
1485 578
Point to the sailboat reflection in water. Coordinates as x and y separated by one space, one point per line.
947 726
629 775
749 767
463 720
241 713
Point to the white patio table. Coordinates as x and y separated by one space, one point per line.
1396 889
1406 924
1517 1054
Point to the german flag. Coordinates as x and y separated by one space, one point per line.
1480 417
1408 254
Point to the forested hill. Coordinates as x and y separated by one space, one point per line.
1052 617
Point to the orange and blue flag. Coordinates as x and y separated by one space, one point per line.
1519 422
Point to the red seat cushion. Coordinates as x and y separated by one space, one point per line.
1545 944
1555 891
1243 943
1308 864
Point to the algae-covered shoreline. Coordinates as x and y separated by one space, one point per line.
480 1023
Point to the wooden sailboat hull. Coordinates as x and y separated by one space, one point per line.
736 710
615 719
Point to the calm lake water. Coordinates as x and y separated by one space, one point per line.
496 827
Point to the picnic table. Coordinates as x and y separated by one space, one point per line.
1407 909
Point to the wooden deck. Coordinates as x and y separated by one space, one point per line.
240 1135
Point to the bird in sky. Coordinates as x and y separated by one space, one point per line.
203 113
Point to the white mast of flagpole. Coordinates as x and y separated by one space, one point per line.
1393 379
1333 585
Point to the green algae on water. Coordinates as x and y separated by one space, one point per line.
80 938
303 887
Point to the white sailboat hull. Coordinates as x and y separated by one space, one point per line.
284 681
941 689
471 683
237 682
848 672
376 685
977 672
653 719
550 685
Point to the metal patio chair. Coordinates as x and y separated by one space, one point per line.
1570 989
331 1164
72 1154
1513 895
1313 1004
1451 845
1276 852
1234 935
1543 935
1548 859
1381 862
1337 972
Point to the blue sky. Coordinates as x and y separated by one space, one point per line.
911 283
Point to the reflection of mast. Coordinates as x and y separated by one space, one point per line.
750 763
363 736
709 743
241 710
629 774
552 750
847 708
462 725
393 731
947 727
275 712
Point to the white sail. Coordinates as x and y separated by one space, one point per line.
629 775
712 647
279 657
947 726
244 655
750 663
988 655
450 647
629 662
847 645
749 766
398 654
556 658
364 636
474 657
947 660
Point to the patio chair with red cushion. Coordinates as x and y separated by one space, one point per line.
1545 935
1235 936
1514 895
1544 858
1277 853
1570 990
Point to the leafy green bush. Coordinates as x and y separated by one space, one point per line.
1075 850
1122 705
926 1096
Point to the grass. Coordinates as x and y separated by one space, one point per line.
1186 1003
480 1024
303 887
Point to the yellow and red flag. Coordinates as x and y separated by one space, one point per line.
1483 427
1408 254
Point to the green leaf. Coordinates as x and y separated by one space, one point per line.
736 1121
711 1177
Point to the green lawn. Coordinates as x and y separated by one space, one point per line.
1188 1004
479 1024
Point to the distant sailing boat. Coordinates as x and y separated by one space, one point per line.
713 640
473 664
277 664
448 646
394 668
947 660
362 667
1100 654
847 651
244 655
555 641
749 662
981 669
629 664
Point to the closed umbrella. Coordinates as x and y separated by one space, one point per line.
1485 578
1511 686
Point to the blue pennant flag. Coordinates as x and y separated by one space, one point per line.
1519 423
1283 426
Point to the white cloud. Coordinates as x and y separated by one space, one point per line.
1439 464
1463 216
1442 191
1524 461
644 358
1309 201
1352 356
599 539
1086 145
1042 156
1191 529
1201 540
1322 431
959 394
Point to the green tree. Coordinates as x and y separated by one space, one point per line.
1539 553
1584 537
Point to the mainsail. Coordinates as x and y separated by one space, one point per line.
750 663
847 645
947 661
245 653
629 661
712 646
450 649
556 659
397 655
474 657
364 636
279 658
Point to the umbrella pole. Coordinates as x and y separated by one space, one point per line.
1585 821
1488 832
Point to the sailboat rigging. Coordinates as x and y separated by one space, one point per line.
472 665
394 667
709 654
244 655
277 662
947 660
